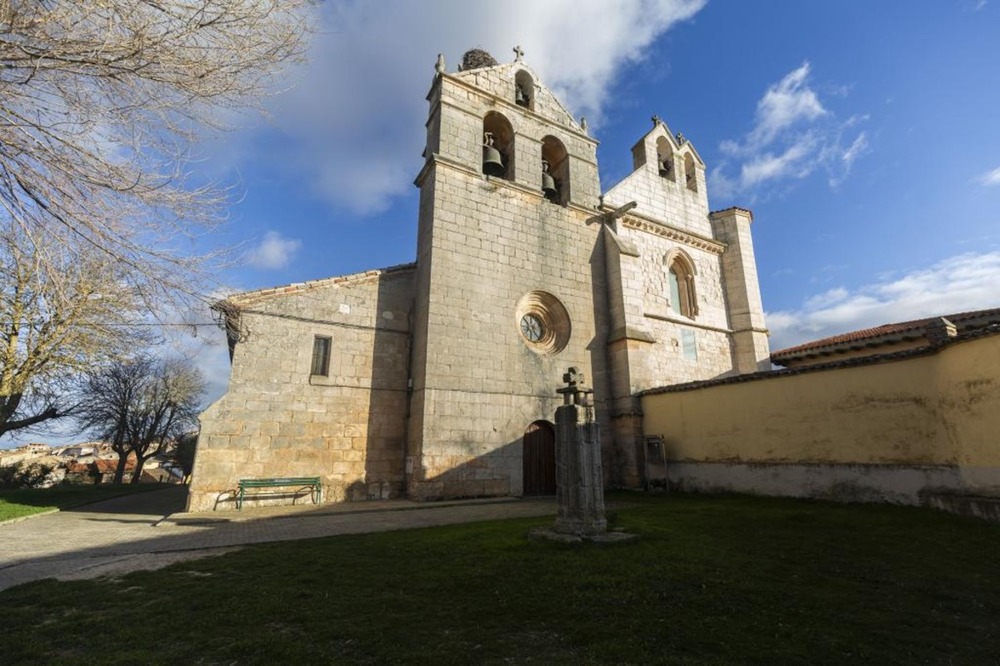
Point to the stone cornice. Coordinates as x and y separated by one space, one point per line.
732 209
436 159
520 135
683 321
642 223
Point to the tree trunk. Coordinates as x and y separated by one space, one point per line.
120 468
137 473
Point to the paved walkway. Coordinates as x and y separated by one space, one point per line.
148 530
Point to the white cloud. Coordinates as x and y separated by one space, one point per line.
957 284
785 104
856 149
274 251
827 298
353 124
990 178
793 135
793 162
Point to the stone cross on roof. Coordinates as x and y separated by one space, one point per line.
519 53
656 120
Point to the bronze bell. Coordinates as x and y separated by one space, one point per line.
492 162
519 97
665 167
548 183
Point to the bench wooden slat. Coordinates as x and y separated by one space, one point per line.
311 482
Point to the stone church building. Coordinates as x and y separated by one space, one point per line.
437 378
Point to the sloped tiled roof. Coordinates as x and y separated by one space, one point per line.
833 364
884 333
249 297
107 466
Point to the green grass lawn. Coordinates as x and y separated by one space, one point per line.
712 580
29 501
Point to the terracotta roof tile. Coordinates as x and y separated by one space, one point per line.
852 362
874 334
107 466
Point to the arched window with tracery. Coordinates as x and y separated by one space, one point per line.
681 284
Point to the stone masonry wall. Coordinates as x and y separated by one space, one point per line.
279 420
667 201
739 276
499 82
667 363
493 243
484 244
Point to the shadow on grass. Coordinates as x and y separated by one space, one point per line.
39 554
711 580
75 496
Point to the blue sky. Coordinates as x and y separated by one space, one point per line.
863 135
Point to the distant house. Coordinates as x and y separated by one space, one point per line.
77 451
886 339
80 472
27 453
104 469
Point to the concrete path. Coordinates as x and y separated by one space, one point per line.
148 530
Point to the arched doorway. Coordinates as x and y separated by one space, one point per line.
539 459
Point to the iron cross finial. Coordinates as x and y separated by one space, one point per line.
656 120
519 53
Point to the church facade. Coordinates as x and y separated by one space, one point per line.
437 378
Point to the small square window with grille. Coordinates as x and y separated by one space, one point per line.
321 356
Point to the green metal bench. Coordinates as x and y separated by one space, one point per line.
299 483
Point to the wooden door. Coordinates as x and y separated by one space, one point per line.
540 459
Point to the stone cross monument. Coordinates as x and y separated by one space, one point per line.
579 478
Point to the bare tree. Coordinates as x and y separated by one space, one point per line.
140 407
101 102
62 312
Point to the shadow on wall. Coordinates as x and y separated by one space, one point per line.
522 467
389 404
612 452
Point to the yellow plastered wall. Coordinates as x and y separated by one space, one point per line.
938 409
969 399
